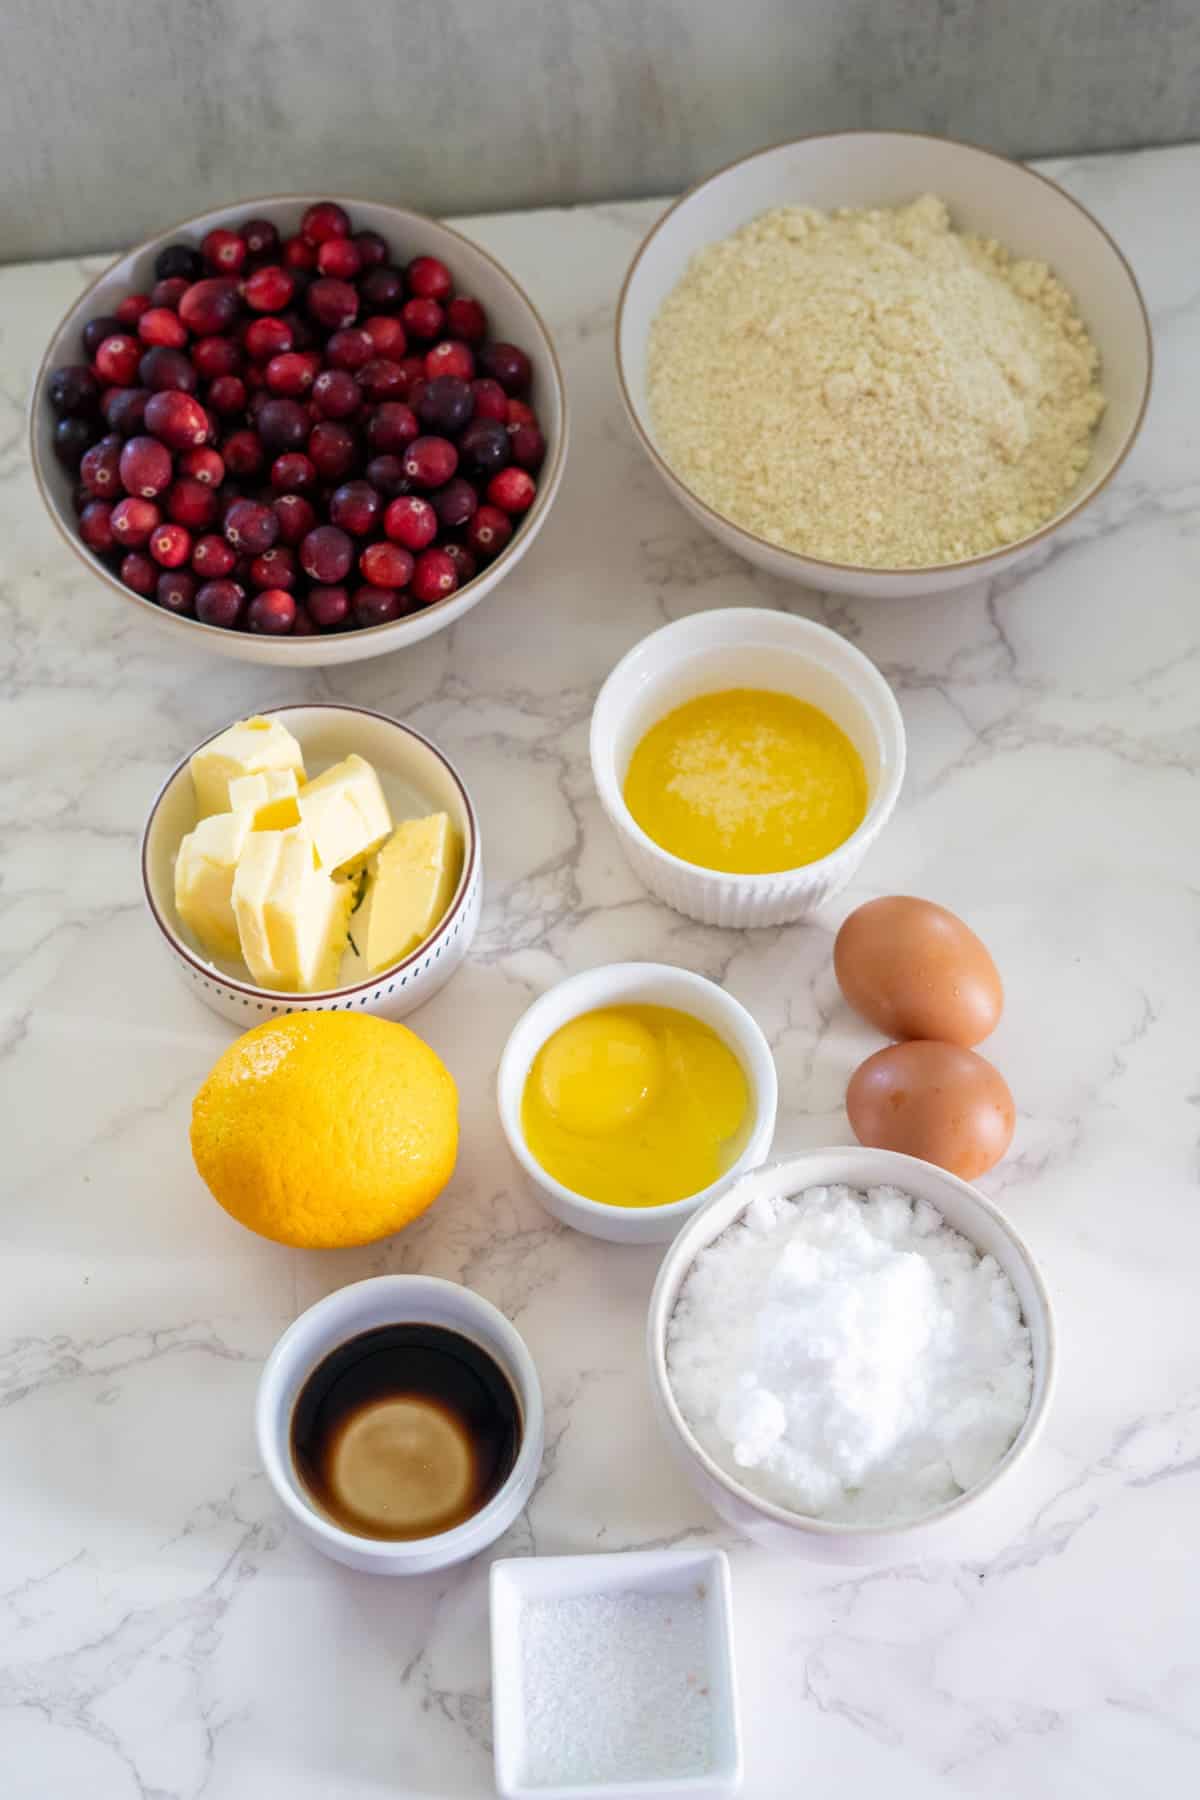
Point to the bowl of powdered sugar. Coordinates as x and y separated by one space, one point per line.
850 1349
881 362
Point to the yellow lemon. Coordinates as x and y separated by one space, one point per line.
326 1129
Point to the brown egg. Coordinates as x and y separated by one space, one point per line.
915 971
936 1101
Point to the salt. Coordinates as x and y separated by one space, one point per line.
848 1356
615 1688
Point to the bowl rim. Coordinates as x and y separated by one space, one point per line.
548 479
817 564
878 812
209 970
681 1253
763 1081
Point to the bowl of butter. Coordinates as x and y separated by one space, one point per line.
313 858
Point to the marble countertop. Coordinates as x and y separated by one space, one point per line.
163 1636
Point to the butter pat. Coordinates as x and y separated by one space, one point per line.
248 748
204 876
411 886
291 917
345 811
269 797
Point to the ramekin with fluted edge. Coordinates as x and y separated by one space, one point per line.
363 1306
756 648
960 1521
416 777
635 984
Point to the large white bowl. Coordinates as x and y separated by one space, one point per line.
966 1210
746 647
986 193
513 317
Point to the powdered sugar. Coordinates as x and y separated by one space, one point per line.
848 1356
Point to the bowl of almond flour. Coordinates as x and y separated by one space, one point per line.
882 363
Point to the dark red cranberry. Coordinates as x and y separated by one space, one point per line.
191 503
243 453
275 568
513 490
220 603
422 319
327 555
382 289
224 250
170 545
386 565
450 357
391 427
130 309
269 289
339 257
210 306
388 337
386 473
95 332
178 419
293 373
125 409
212 557
262 238
333 304
383 380
161 369
117 362
323 220
466 319
227 394
376 606
169 292
304 332
528 446
328 607
158 325
175 591
140 573
430 461
266 337
296 516
488 531
412 370
133 520
146 467
465 564
506 364
282 425
298 255
372 249
95 527
349 349
355 507
428 278
335 393
273 612
304 626
411 521
99 469
204 465
434 577
455 503
445 405
179 259
333 450
292 473
251 527
215 356
484 447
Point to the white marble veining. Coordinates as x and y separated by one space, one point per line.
162 1635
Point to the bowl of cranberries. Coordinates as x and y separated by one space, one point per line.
301 431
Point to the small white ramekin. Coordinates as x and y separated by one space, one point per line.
395 1300
757 648
635 984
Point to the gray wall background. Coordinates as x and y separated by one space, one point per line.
119 115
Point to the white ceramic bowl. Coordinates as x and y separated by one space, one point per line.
416 778
967 1211
746 647
513 318
392 1300
520 1581
986 193
634 984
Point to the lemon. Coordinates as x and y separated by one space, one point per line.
326 1129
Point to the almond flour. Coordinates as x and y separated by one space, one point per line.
874 387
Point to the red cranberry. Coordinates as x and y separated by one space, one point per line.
175 591
422 318
434 576
210 306
133 520
430 461
450 358
275 568
139 573
484 447
491 402
273 611
304 626
178 259
465 564
467 320
333 304
243 453
212 557
203 465
72 439
412 369
332 449
339 257
95 332
488 531
323 220
161 369
191 503
455 503
117 362
125 409
261 237
507 365
293 373
298 255
214 356
528 446
392 426
388 336
296 516
130 309
159 326
170 545
224 250
517 413
269 289
292 472
251 527
99 469
349 349
428 278
95 527
335 393
382 289
387 474
377 606
146 467
512 489
411 521
266 337
386 565
178 419
383 380
372 249
355 507
169 292
444 405
220 603
328 607
227 394
282 425
326 555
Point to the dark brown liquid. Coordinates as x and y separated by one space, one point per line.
405 1431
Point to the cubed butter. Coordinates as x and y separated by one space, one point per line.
204 876
247 748
269 797
291 916
346 813
409 888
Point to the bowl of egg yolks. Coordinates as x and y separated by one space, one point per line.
630 1093
747 760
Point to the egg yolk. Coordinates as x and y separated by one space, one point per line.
635 1106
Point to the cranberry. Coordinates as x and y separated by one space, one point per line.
170 545
133 520
203 465
298 255
377 606
491 402
517 413
292 472
117 362
261 237
339 257
99 468
388 337
169 292
411 521
296 516
266 337
326 555
227 394
455 503
220 603
282 425
445 405
146 467
178 259
349 349
72 438
251 527
224 250
382 289
293 372
430 461
507 365
328 607
434 576
412 369
139 573
428 278
392 426
191 503
212 557
158 325
332 449
269 289
323 220
210 306
465 564
304 626
95 527
489 531
125 409
131 308
336 394
243 453
467 319
273 611
512 489
387 474
178 419
175 591
214 356
450 358
275 568
95 332
355 506
386 565
484 447
372 249
528 446
161 368
383 380
333 304
422 318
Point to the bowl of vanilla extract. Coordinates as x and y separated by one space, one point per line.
400 1423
